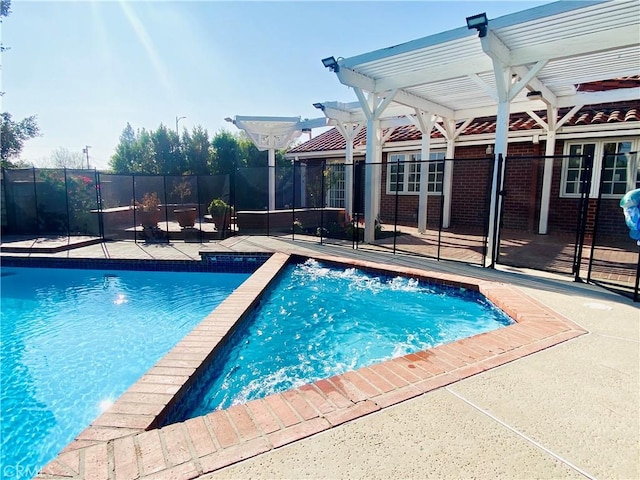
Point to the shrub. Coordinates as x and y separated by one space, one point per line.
217 207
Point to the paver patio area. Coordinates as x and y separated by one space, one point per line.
570 410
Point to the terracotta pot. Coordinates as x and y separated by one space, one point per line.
148 219
186 217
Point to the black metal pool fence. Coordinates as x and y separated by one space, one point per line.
325 202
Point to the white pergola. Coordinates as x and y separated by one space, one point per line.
274 133
524 62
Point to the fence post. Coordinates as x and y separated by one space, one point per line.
35 197
637 284
293 202
444 162
135 211
166 207
96 179
322 193
585 188
497 212
268 199
66 197
395 214
595 220
199 201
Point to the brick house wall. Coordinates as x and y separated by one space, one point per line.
521 203
472 170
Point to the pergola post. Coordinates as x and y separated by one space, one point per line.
424 121
272 178
547 176
373 107
447 182
502 127
348 180
552 126
372 179
451 134
349 131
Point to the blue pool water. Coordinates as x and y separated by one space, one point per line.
317 322
74 340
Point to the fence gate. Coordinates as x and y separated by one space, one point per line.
561 248
614 257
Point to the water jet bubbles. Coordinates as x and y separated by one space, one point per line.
120 299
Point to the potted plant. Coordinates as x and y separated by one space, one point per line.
148 211
220 212
186 216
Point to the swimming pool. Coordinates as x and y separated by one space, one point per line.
319 321
74 340
224 437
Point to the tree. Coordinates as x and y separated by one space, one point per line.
226 152
13 135
123 160
64 158
198 151
168 159
154 152
5 8
250 155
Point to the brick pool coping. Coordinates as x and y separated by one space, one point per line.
124 442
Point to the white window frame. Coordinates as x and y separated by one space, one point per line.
633 166
335 194
409 184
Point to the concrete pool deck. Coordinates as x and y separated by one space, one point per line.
571 410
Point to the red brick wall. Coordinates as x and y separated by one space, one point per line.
472 171
611 219
522 187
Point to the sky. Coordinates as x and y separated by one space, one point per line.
86 68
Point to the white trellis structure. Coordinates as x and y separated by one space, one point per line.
271 134
524 62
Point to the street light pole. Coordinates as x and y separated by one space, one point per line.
177 120
85 150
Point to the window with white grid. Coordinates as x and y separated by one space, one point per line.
615 166
405 169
